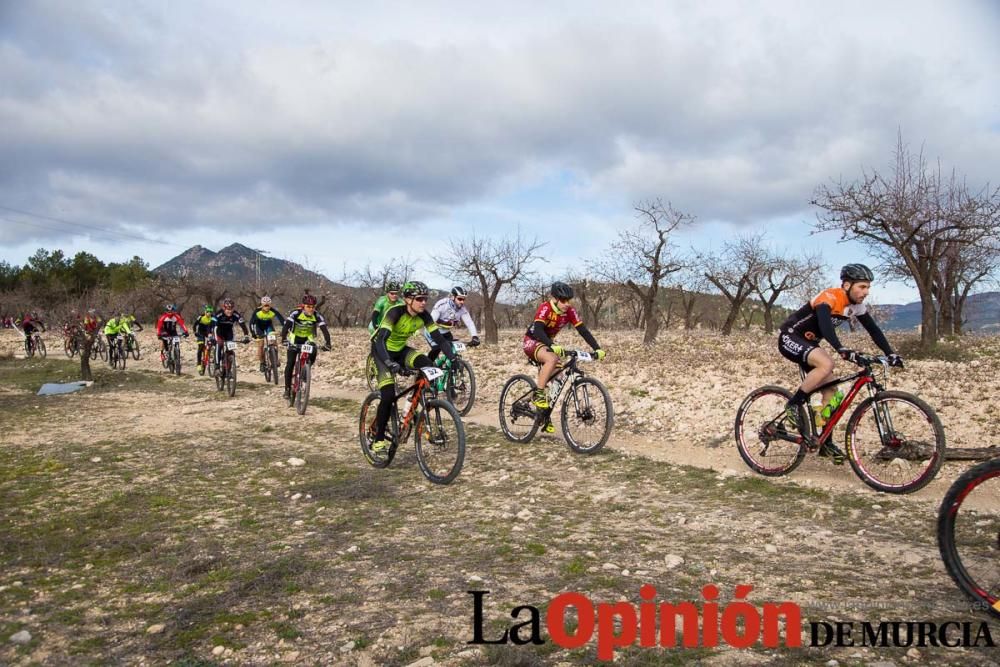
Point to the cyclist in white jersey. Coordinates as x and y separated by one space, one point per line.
447 313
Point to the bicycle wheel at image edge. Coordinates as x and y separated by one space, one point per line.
462 386
440 440
968 534
587 416
904 458
761 433
371 373
302 395
518 417
366 431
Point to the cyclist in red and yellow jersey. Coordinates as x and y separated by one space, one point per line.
552 315
817 320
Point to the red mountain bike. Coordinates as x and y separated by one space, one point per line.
894 441
301 376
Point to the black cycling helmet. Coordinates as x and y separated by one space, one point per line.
392 286
415 288
853 273
562 291
457 290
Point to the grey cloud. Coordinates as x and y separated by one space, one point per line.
735 118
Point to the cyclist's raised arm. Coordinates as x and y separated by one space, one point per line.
871 326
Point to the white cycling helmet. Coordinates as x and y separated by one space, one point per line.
265 301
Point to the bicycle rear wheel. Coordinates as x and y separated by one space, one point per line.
462 386
968 533
440 441
302 396
587 416
366 431
763 435
371 372
518 416
895 442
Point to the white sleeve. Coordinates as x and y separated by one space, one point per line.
436 311
470 325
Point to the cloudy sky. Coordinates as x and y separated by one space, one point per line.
336 133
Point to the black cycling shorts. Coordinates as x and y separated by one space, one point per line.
796 349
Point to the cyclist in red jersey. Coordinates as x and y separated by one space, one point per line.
552 315
801 333
167 325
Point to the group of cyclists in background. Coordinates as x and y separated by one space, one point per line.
402 311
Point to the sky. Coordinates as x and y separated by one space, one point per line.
336 134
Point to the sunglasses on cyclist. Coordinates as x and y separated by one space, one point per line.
421 299
393 293
459 299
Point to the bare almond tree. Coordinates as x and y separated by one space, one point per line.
493 266
643 257
907 218
735 270
781 276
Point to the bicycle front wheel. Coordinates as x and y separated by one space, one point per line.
302 397
122 356
895 442
272 356
102 350
69 348
367 429
518 416
41 347
968 532
462 386
764 436
231 374
177 358
440 441
587 416
134 342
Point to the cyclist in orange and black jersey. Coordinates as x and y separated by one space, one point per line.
801 333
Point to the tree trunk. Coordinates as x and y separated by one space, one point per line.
86 343
652 321
946 316
928 321
734 312
490 322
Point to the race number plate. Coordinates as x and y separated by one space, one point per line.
432 373
459 347
176 339
230 344
272 337
584 356
307 348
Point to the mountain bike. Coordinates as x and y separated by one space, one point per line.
301 376
33 344
117 354
587 415
207 361
459 382
132 345
225 369
171 359
100 348
271 358
439 435
71 342
371 372
894 441
968 533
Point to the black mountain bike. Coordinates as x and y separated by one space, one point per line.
117 354
968 532
172 357
271 365
438 432
587 415
459 381
301 376
225 372
894 441
132 345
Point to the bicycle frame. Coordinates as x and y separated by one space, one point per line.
863 378
301 360
417 389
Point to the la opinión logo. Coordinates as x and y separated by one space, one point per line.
654 624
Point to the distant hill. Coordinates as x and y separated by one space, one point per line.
982 313
237 263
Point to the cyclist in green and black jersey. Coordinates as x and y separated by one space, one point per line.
392 353
384 303
262 323
302 323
